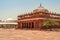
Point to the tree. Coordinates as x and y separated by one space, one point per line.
49 24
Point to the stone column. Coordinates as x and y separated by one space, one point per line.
30 25
40 24
35 25
19 25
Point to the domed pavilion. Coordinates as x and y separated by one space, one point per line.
35 19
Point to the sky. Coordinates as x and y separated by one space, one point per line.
13 8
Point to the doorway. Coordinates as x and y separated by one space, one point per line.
32 25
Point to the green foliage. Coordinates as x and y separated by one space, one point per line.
50 23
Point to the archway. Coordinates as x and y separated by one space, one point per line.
32 25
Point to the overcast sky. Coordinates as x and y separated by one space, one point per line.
13 8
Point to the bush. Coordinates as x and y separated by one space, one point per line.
49 24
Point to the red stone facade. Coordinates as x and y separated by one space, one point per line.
35 19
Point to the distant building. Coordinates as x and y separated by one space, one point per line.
35 19
0 20
9 23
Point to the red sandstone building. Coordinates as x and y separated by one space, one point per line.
35 19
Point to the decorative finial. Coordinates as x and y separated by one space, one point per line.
40 5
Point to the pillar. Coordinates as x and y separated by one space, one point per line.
19 25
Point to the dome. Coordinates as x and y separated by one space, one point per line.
11 20
40 9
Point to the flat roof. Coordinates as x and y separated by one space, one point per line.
7 23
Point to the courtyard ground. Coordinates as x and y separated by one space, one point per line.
13 34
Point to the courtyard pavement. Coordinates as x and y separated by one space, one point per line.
19 34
